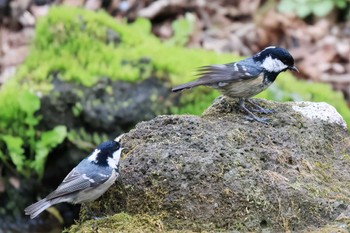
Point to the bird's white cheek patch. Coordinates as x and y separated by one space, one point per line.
273 65
93 156
113 162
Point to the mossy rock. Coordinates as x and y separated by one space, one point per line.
109 107
220 172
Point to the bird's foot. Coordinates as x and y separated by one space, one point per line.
258 108
250 115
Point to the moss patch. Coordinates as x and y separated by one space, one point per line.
124 223
84 46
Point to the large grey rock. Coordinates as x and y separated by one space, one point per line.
221 172
107 107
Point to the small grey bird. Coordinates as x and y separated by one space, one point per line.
246 78
87 181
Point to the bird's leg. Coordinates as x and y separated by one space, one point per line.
258 108
251 116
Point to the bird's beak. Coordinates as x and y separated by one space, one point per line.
119 138
293 68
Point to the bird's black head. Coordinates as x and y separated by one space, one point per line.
106 154
275 59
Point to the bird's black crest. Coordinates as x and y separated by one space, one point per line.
275 52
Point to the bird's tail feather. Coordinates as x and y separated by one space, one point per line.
186 86
36 208
207 75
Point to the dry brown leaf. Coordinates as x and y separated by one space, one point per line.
39 11
93 4
74 3
163 30
14 56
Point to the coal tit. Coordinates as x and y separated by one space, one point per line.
87 181
246 78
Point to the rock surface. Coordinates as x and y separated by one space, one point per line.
220 172
108 107
321 111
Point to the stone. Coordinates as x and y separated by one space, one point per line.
221 172
108 107
320 111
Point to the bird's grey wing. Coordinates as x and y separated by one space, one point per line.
76 180
214 74
227 73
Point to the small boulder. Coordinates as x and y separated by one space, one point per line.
221 172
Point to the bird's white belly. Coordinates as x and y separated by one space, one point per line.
245 89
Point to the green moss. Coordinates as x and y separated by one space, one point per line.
22 147
84 46
76 43
321 171
123 222
84 140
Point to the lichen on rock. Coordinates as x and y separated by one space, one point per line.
220 172
322 111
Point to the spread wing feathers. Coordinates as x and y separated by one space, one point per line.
213 74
